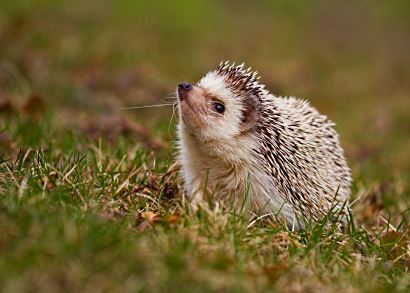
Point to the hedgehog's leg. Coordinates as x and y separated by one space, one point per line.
196 195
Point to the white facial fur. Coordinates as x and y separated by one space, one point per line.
216 134
226 126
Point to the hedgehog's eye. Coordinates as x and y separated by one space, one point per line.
220 108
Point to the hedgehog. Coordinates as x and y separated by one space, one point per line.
240 144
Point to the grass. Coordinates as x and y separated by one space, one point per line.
90 197
111 219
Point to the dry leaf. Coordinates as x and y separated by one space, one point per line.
274 271
173 218
395 243
34 105
150 217
6 107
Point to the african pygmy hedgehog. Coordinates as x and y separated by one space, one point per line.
239 142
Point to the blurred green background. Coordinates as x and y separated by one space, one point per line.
89 58
68 67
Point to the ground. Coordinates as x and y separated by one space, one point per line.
90 196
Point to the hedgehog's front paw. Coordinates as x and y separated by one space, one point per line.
196 201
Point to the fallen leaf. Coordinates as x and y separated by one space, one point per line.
274 271
395 243
172 218
6 107
34 105
146 220
150 217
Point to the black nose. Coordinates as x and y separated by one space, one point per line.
185 86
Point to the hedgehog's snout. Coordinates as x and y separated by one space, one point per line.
183 89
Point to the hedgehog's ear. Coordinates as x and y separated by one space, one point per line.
249 113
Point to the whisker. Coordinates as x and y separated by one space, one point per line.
171 94
147 106
174 107
169 99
